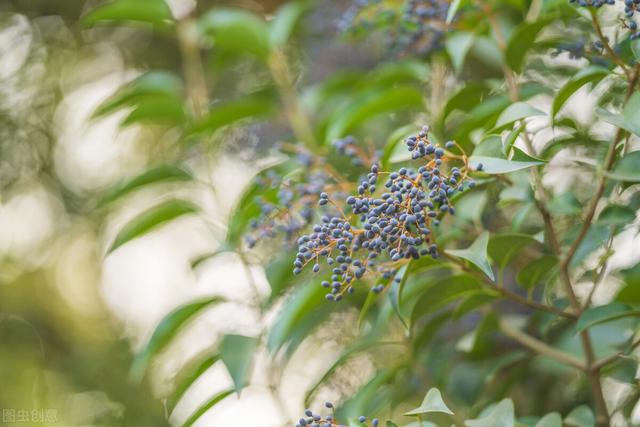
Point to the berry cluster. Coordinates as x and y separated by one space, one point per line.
386 227
630 8
418 26
314 420
294 210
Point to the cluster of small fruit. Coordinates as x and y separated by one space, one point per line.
386 227
312 419
630 9
415 26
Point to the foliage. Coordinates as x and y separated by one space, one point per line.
497 310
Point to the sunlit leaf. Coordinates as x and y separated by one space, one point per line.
582 416
628 120
501 415
202 409
155 12
159 174
630 293
604 313
285 20
503 248
458 46
550 420
432 402
494 165
521 42
166 330
151 219
627 168
592 74
237 30
453 9
236 352
188 375
616 215
517 111
476 254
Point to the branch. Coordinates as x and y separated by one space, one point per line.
541 347
604 362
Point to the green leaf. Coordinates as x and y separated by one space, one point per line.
453 9
565 204
156 97
496 166
202 409
395 292
367 106
616 215
444 292
351 351
503 248
629 119
521 42
159 174
188 375
582 416
236 352
432 402
155 12
285 20
515 112
604 313
591 74
166 330
630 294
152 219
390 424
237 30
550 420
537 271
257 105
476 254
627 168
458 45
511 139
501 415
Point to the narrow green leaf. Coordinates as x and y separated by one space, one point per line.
521 42
236 352
395 292
592 74
370 104
501 415
457 46
616 215
511 139
254 106
496 166
166 330
432 402
237 30
515 112
155 12
476 254
627 168
285 20
604 313
629 119
188 375
159 174
214 400
582 416
550 420
151 219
